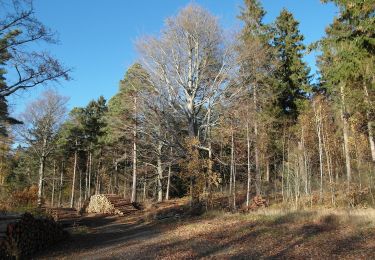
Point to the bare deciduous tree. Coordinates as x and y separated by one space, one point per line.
19 28
189 63
41 122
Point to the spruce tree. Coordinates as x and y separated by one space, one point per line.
257 64
347 68
347 62
292 73
252 15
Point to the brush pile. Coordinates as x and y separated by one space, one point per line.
258 202
24 236
110 204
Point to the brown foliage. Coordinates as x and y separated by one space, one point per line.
25 197
195 168
359 196
257 202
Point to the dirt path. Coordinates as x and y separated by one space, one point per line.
225 236
98 237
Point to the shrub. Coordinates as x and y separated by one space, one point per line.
25 197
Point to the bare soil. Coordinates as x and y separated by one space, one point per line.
218 235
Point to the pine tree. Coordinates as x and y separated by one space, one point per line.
94 126
123 116
72 140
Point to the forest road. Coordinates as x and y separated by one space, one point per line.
106 237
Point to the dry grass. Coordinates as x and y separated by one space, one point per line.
268 233
358 217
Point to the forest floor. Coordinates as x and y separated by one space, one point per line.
266 234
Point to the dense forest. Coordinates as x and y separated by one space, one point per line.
201 113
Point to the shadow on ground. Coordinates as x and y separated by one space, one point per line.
293 235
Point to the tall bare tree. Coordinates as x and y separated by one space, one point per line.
19 29
189 65
22 66
41 122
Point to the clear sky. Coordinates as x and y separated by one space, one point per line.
97 36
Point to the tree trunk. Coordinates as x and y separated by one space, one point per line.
61 184
329 163
168 182
42 162
232 178
248 165
305 163
210 174
288 190
257 170
86 193
210 163
256 148
369 122
116 188
90 171
134 185
267 170
234 186
344 118
169 176
160 173
74 176
283 165
80 189
318 119
53 183
125 182
97 181
41 177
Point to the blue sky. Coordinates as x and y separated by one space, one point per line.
97 36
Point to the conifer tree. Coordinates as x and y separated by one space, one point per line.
94 126
292 73
347 65
258 63
124 114
71 140
351 41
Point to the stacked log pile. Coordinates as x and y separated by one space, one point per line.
27 235
110 204
65 216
